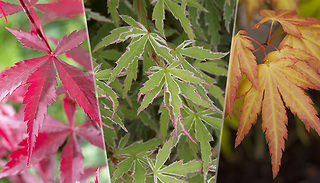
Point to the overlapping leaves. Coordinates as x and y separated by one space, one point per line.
280 82
52 135
169 78
175 78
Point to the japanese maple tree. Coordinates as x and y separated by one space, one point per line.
278 82
39 76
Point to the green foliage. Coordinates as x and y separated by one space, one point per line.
158 74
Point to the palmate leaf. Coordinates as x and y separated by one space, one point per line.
172 81
242 60
41 75
169 173
288 19
201 132
133 155
275 81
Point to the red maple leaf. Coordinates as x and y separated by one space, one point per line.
52 136
41 75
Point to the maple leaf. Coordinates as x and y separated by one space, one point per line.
52 136
242 60
61 8
41 74
288 19
279 85
169 173
307 43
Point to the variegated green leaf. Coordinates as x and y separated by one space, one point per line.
164 121
200 53
103 75
212 121
158 15
168 179
179 14
139 172
163 155
150 96
211 67
174 101
135 49
112 9
129 20
180 169
110 95
108 116
204 137
186 76
131 75
190 93
160 49
194 14
132 33
154 81
138 147
122 168
111 38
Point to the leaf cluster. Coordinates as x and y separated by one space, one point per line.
157 80
278 82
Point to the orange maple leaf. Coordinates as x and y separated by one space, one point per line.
288 19
281 81
241 60
307 43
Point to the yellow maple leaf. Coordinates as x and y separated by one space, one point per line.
281 82
242 60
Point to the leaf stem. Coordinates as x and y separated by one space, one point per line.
277 35
40 33
261 46
268 42
142 14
